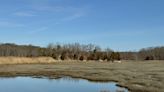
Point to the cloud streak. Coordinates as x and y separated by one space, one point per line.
74 16
9 24
38 30
49 8
25 14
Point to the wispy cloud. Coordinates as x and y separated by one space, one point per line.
38 30
69 18
49 8
70 14
9 24
25 14
46 5
74 16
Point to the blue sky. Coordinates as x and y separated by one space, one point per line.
117 24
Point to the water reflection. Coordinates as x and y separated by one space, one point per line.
65 84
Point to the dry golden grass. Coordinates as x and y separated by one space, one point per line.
25 60
137 76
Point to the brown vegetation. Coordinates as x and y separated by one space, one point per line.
25 60
137 76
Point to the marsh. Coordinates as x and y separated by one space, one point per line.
137 76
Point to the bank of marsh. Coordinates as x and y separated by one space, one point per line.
137 76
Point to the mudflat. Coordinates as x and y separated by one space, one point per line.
137 76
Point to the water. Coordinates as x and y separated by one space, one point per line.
66 84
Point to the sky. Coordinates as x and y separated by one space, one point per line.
121 25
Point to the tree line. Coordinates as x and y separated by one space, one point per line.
151 53
81 52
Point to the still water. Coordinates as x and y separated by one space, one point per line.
66 84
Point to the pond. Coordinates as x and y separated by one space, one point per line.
65 84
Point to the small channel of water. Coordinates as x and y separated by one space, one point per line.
66 84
